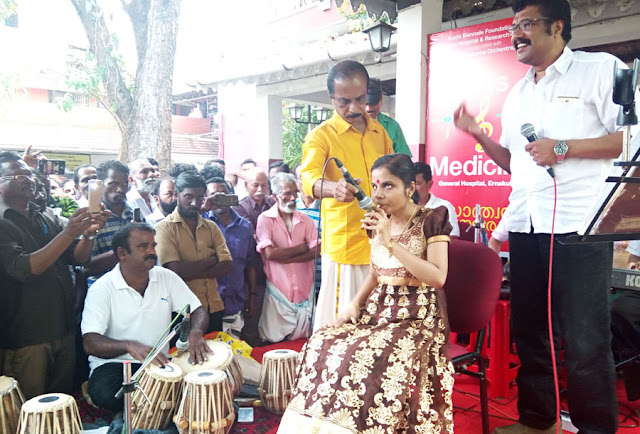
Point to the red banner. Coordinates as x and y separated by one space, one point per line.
478 65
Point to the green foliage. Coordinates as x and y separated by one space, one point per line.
9 87
361 18
293 135
8 8
85 75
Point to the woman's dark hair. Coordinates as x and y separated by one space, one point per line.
121 237
190 179
399 165
556 10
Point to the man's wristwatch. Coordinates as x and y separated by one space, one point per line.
90 237
560 149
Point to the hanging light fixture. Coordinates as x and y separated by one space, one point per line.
380 36
321 113
295 111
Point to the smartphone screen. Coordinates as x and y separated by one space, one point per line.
52 167
95 196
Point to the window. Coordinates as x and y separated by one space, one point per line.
11 20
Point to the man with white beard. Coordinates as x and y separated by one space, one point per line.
286 238
142 177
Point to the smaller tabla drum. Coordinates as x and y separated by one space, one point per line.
222 359
53 413
163 387
12 400
276 379
207 404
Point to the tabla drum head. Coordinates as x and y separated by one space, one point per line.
169 371
209 376
279 354
7 384
220 359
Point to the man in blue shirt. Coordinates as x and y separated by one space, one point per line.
238 288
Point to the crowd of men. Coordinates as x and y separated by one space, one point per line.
88 283
246 267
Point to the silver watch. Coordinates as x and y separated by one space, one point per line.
560 149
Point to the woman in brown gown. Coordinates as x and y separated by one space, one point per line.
381 367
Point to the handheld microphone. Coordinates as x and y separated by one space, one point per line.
364 201
529 132
185 328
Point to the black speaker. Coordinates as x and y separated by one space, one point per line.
624 86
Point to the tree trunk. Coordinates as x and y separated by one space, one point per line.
149 128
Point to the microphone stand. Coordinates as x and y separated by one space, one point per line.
130 382
480 231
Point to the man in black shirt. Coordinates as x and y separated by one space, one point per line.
37 295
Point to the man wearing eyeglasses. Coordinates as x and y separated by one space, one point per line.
37 297
567 97
357 140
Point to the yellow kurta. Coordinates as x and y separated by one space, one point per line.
342 238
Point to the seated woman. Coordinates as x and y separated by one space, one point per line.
381 367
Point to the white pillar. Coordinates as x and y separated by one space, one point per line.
268 132
415 24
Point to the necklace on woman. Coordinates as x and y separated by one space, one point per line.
413 213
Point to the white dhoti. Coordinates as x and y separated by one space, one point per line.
340 283
282 318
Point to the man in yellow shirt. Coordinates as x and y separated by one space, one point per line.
356 140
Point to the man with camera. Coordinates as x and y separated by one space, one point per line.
238 288
37 297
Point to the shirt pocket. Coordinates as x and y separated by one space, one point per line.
564 119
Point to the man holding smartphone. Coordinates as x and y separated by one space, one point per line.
37 301
238 288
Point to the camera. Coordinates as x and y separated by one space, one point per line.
52 167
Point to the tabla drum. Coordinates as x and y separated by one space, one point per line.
53 413
207 404
12 400
276 379
222 359
163 387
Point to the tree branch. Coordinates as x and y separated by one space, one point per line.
101 45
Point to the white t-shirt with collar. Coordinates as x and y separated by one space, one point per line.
572 101
117 311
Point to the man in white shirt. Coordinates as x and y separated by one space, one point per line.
567 97
142 176
426 199
128 309
81 177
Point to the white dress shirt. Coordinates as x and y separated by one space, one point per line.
136 201
572 101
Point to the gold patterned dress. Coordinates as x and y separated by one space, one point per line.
388 373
